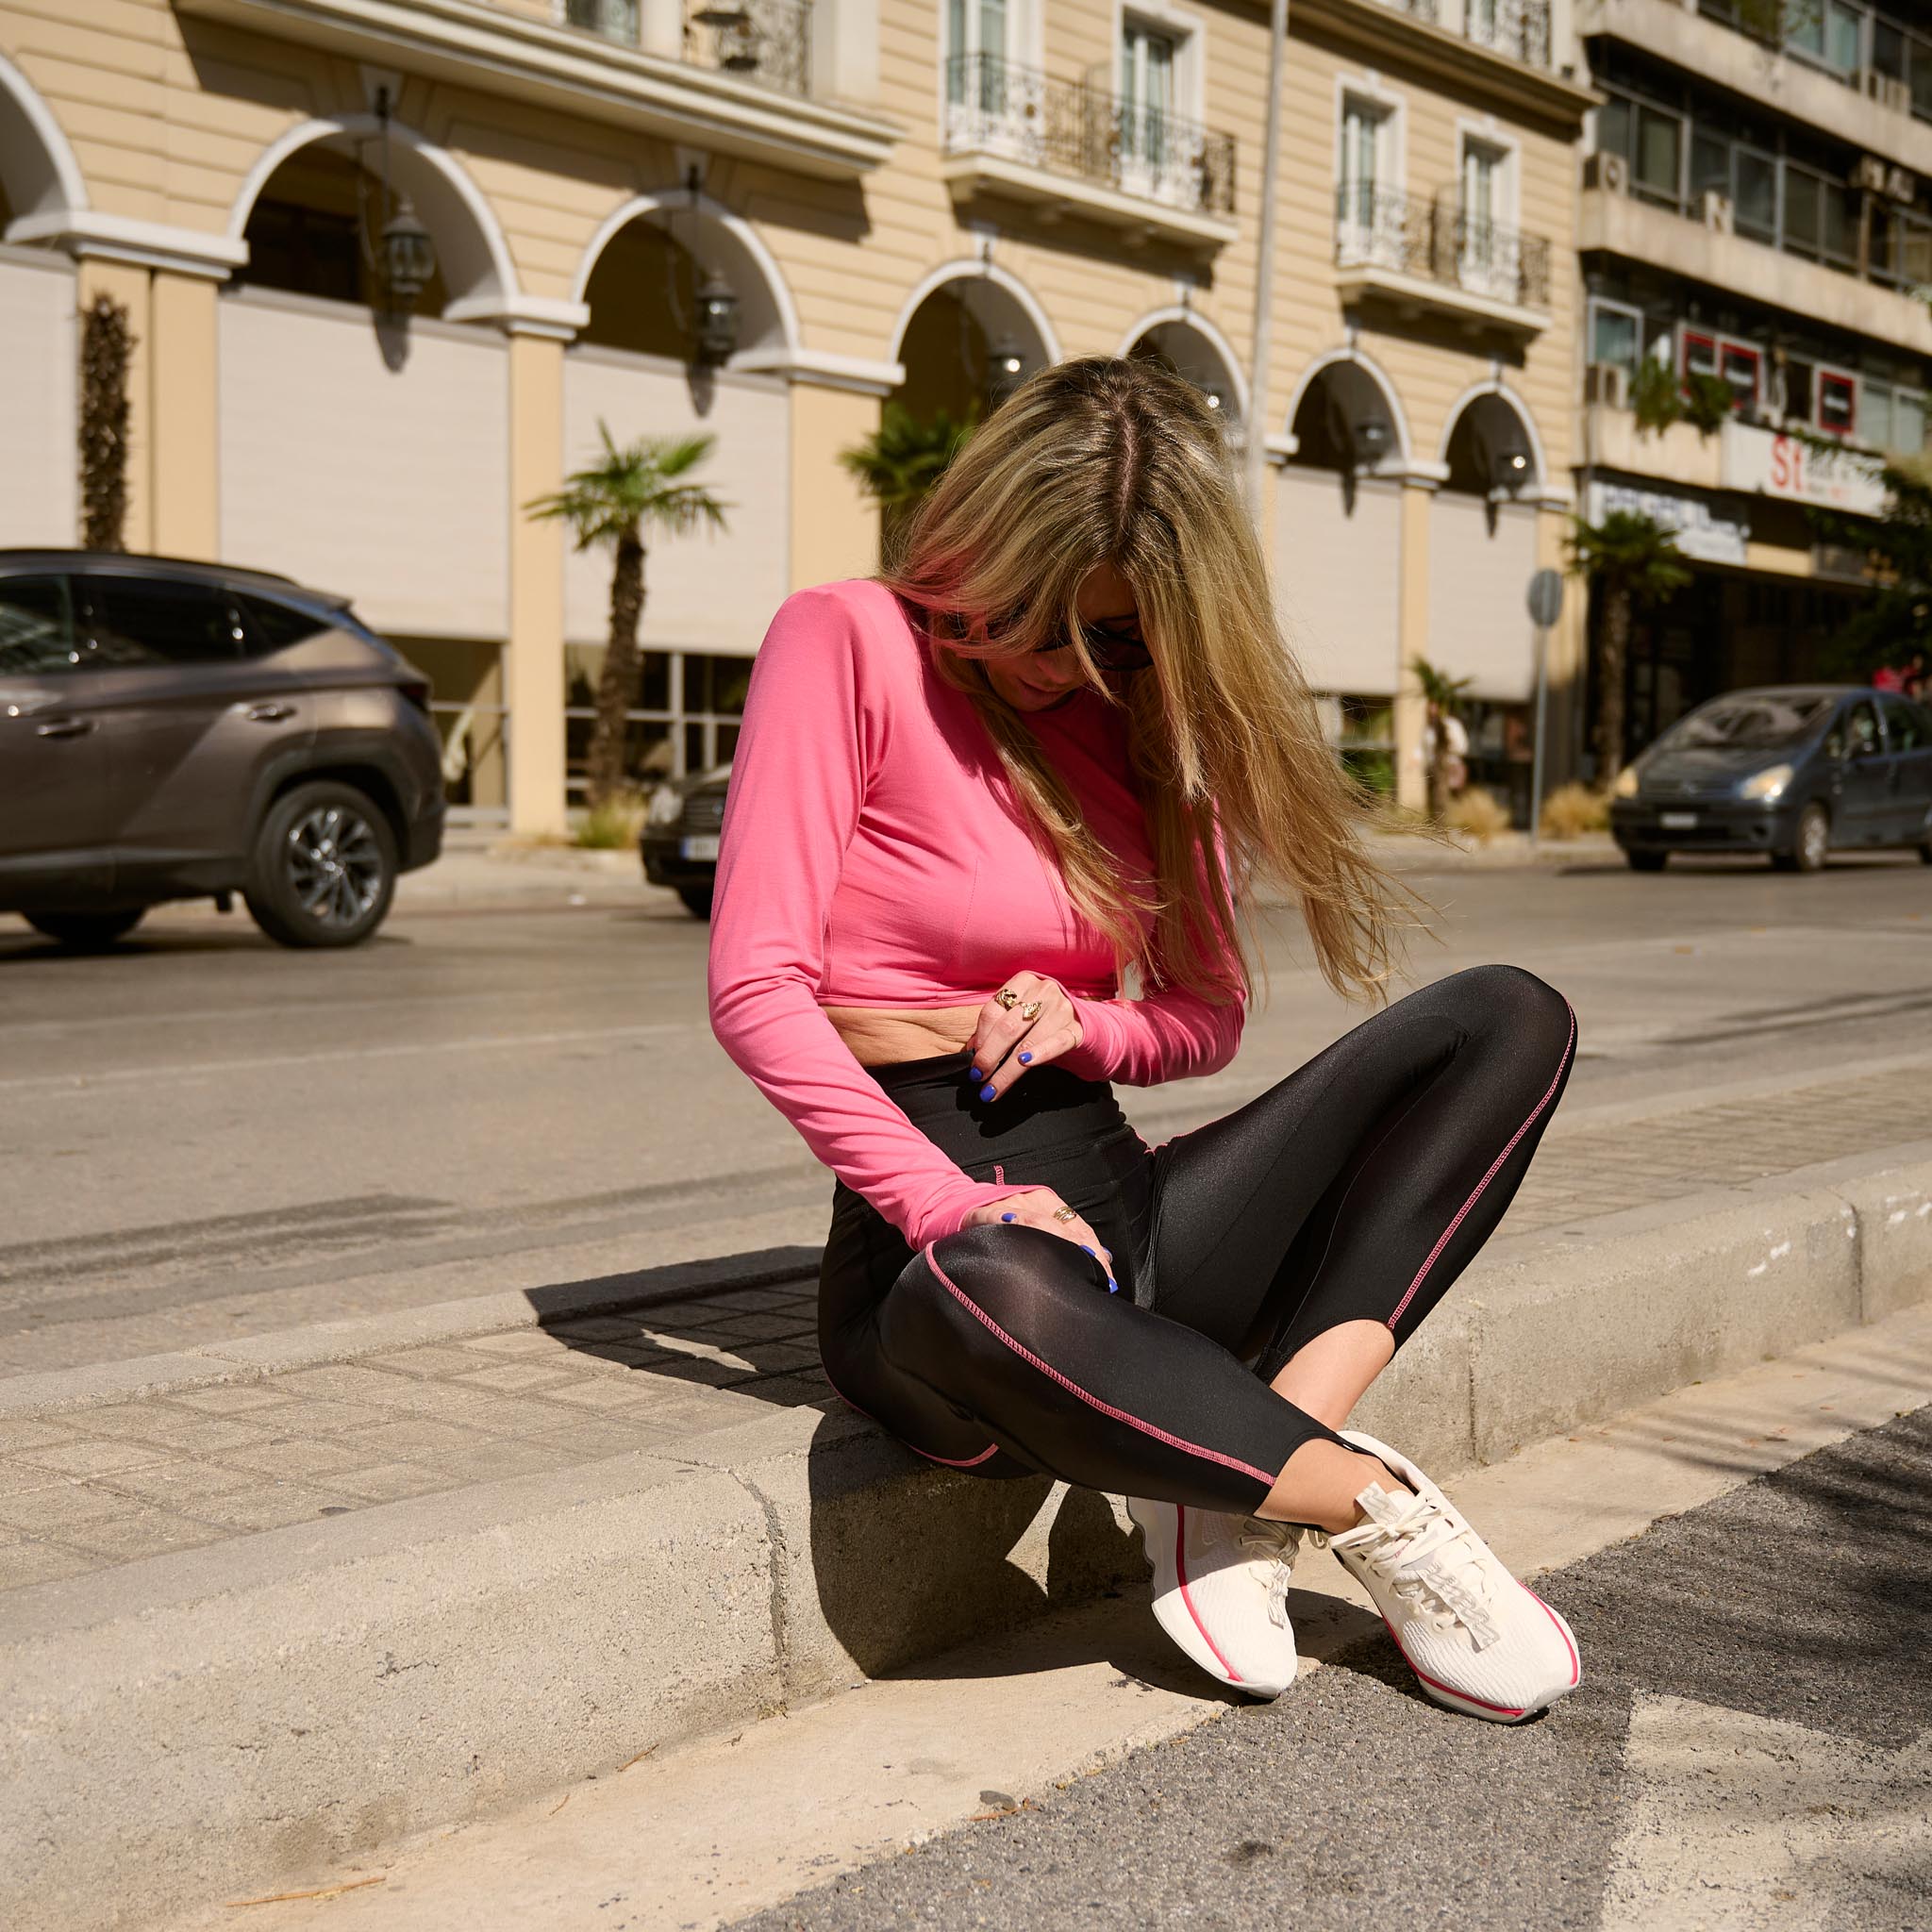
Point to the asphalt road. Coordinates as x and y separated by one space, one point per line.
203 1135
1750 1751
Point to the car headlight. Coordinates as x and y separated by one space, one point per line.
1625 786
1766 785
665 807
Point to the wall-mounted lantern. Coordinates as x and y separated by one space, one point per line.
1006 370
404 259
716 334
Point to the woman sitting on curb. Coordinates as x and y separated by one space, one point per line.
1062 738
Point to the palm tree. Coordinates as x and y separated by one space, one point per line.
611 502
1635 562
1444 695
904 458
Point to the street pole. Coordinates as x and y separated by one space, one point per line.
1256 425
1536 769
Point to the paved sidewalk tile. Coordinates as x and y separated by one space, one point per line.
94 1487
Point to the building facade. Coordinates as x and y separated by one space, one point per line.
905 200
1755 209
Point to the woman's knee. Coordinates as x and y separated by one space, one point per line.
1511 1005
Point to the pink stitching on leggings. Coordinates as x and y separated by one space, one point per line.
1121 1415
1487 1178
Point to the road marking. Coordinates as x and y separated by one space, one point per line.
83 1083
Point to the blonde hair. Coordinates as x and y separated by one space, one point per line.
1118 461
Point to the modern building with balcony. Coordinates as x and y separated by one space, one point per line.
1755 226
392 265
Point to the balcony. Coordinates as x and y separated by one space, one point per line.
765 41
1518 28
1613 223
1064 147
743 84
1418 254
1886 108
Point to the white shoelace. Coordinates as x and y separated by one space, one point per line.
1283 1539
1420 1545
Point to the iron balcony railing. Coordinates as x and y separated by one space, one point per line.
1067 128
765 40
1441 242
1520 28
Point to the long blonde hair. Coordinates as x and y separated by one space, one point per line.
1118 461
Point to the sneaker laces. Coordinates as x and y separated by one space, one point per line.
1421 1547
1284 1540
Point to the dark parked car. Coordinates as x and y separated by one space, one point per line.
1792 771
173 730
678 843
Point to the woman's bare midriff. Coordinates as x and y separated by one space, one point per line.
882 1036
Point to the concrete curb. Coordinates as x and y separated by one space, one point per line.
223 1720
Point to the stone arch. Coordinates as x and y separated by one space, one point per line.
1360 389
997 299
472 252
41 181
1481 419
1199 350
768 317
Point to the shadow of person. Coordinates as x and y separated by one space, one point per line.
909 1560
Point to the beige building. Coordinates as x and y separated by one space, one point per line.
1754 209
896 200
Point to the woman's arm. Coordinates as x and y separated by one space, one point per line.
812 731
1166 1034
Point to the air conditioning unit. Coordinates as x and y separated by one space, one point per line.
1888 91
1716 211
1606 170
1870 174
1606 382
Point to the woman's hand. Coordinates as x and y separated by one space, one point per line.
1035 1208
1040 1025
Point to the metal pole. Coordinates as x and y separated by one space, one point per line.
1256 424
1536 769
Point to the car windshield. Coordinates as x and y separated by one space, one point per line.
1764 721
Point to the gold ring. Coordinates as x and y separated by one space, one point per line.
1007 997
1066 1214
1030 1010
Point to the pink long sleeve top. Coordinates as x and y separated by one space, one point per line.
873 854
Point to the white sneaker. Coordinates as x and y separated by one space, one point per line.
1220 1590
1478 1639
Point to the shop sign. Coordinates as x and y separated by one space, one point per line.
1770 463
1700 531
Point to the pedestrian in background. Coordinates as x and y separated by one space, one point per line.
1061 740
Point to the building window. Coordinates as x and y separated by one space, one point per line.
977 45
1837 397
1367 129
1892 419
1741 366
1147 91
1616 336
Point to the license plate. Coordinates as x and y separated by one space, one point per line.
1677 820
700 845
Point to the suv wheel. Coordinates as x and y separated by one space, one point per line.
324 867
1645 861
87 928
697 900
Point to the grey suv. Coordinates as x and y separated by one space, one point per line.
173 730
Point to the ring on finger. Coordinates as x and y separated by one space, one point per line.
1031 1010
1007 997
1066 1213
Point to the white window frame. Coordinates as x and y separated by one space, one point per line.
1175 179
1628 310
1478 270
1357 242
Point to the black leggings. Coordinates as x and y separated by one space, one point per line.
1358 1187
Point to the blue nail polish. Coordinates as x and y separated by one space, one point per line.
1086 1250
1026 1059
986 1093
1010 1217
1113 1286
977 1074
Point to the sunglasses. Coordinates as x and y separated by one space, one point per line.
1112 650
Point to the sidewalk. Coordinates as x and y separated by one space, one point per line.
274 1603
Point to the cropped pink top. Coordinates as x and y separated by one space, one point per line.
873 854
